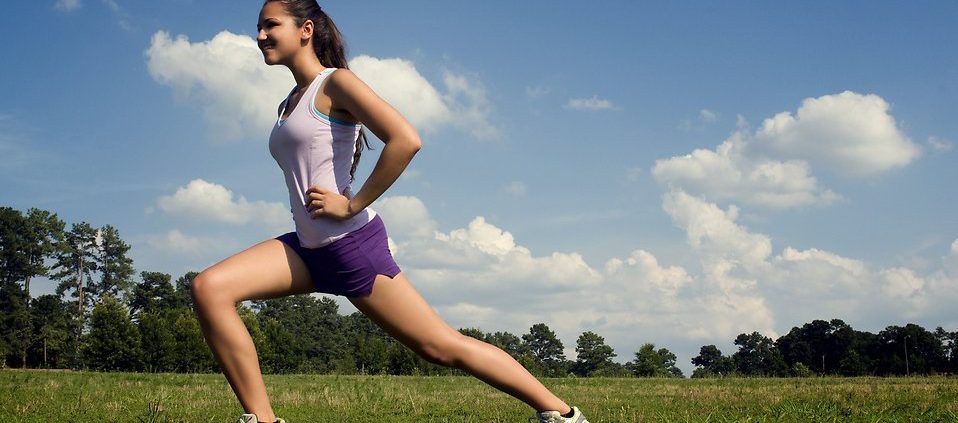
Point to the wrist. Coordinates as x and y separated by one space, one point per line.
352 208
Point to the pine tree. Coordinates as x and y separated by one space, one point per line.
593 354
546 348
116 269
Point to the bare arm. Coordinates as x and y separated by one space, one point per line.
402 142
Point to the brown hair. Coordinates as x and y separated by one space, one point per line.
329 48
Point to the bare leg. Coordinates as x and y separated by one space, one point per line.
269 269
397 307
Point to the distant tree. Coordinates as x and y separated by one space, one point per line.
319 330
279 360
592 354
757 356
949 345
154 294
508 342
16 328
45 232
182 296
193 355
52 327
116 268
712 363
113 342
25 241
801 370
546 349
822 346
157 340
14 264
403 361
909 349
650 362
369 342
76 261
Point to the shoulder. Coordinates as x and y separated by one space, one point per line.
341 75
343 80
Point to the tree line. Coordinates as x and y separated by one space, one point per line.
105 316
835 348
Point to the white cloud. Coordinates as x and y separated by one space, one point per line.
593 103
938 144
204 200
176 242
901 283
666 280
67 5
480 275
122 18
240 94
226 77
950 262
708 116
464 104
399 82
516 189
851 133
713 231
479 316
729 174
405 216
466 98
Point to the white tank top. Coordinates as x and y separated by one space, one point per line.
315 149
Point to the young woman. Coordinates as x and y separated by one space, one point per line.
339 246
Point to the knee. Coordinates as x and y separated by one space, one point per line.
445 351
206 287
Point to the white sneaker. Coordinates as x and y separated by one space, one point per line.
251 418
556 417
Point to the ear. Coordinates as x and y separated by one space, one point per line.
307 31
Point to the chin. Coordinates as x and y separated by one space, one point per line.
266 58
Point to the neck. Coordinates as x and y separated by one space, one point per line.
305 67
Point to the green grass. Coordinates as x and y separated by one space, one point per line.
55 396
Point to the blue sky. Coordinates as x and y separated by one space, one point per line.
678 173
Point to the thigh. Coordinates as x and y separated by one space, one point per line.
266 270
397 307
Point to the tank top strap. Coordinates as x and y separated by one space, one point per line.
314 87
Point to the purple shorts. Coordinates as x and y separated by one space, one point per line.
349 265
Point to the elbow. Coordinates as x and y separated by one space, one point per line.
414 144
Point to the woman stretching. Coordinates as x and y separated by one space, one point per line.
339 246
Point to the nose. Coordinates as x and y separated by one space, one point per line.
261 35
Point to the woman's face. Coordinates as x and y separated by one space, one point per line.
278 37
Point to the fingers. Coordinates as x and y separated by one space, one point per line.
316 204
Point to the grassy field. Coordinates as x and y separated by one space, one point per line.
59 396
